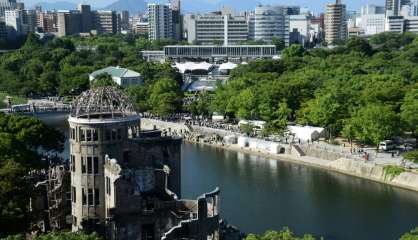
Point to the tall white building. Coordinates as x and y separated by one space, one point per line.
299 29
372 19
269 22
335 22
14 22
215 28
6 5
160 21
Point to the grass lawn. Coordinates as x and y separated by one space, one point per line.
15 100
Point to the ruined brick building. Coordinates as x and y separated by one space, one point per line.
125 182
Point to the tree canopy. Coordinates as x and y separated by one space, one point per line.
20 141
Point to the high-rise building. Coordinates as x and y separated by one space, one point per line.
269 22
372 19
106 22
86 18
30 20
394 7
160 19
216 28
124 20
7 5
177 19
335 22
47 21
14 22
3 31
69 23
299 29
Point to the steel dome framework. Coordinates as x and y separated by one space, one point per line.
102 102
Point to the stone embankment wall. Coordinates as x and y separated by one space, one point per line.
304 154
374 172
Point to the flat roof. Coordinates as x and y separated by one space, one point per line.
213 46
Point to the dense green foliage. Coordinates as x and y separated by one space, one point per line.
364 90
284 234
412 235
411 156
392 171
58 236
20 139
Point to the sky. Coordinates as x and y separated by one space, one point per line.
315 5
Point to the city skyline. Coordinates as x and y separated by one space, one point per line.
209 5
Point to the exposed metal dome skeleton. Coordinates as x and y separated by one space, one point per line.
102 102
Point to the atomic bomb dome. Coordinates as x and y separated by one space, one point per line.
102 103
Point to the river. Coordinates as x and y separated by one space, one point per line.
259 194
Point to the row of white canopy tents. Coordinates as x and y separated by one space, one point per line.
203 68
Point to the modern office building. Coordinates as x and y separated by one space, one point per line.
6 5
86 18
177 19
299 29
30 20
335 22
216 29
14 22
400 24
3 31
372 19
106 22
269 22
47 21
394 7
160 21
141 28
69 23
124 20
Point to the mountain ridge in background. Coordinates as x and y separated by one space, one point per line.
60 5
133 6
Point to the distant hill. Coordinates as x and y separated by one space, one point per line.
133 6
60 5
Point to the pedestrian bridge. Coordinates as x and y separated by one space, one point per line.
34 109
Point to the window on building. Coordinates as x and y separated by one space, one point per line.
74 221
90 196
82 135
83 191
89 165
88 134
107 134
72 133
108 186
119 134
83 165
72 161
73 195
126 156
95 135
96 197
96 165
113 134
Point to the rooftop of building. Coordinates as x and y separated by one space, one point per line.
103 103
116 72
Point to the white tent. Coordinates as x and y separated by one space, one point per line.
307 132
191 66
227 66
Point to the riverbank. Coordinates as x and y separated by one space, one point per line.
352 167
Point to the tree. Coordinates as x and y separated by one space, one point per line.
165 97
20 141
279 43
409 111
412 235
359 45
58 236
284 234
103 80
411 156
375 123
296 50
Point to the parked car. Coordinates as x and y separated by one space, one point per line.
387 145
